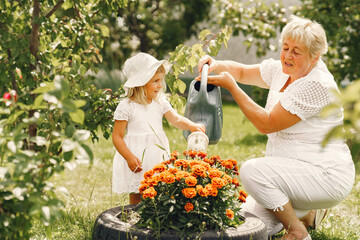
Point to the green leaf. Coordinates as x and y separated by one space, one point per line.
79 103
44 88
68 105
104 30
67 4
69 131
88 151
78 116
203 34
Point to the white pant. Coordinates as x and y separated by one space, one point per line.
273 181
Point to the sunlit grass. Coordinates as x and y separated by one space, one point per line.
90 192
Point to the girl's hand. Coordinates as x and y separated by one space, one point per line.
134 164
198 127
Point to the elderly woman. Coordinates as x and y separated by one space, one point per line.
297 175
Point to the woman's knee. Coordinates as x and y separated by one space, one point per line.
248 171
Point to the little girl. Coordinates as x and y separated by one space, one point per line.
140 116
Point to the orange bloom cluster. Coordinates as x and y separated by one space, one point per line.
189 207
197 183
242 196
149 193
229 213
189 192
191 173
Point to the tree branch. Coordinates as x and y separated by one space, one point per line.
56 7
34 38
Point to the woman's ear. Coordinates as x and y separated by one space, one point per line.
316 58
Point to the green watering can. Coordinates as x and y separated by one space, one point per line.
204 106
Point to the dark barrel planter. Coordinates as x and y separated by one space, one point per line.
108 226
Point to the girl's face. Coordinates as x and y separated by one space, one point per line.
154 86
295 59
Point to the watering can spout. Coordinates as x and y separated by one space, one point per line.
204 106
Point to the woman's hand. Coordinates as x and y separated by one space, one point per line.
224 80
209 60
134 164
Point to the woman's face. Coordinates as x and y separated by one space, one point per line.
154 86
295 59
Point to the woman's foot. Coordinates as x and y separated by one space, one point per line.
296 235
309 219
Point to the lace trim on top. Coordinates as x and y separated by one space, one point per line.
124 110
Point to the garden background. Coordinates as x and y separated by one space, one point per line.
60 81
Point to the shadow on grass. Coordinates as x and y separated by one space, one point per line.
251 139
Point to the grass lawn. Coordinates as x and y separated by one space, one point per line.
90 192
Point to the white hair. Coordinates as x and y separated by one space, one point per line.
310 33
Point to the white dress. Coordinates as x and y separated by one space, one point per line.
143 133
296 167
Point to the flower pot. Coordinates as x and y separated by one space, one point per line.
108 225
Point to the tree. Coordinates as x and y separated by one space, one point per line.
341 20
154 26
49 108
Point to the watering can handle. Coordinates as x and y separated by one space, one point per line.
204 78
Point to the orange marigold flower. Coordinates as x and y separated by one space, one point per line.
199 170
181 163
189 207
209 161
181 174
227 164
189 192
173 170
214 172
143 187
218 182
212 190
153 181
194 162
191 181
242 196
233 161
149 193
242 193
215 158
235 181
168 178
160 167
149 174
236 170
202 154
242 199
229 213
175 154
203 191
192 154
227 178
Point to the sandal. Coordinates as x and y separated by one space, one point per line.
308 237
320 214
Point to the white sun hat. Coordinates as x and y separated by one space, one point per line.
140 68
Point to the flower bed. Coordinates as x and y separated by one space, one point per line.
191 195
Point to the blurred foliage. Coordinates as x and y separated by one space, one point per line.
258 21
152 26
341 21
350 100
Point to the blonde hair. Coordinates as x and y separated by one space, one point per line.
138 94
310 33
